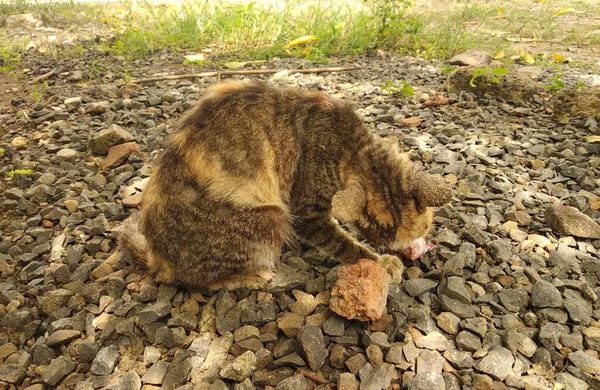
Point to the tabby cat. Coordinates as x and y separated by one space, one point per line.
252 167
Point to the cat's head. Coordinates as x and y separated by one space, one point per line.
389 199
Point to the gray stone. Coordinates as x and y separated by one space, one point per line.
178 371
156 374
347 381
418 286
57 369
104 139
245 385
545 294
472 57
356 363
497 363
294 359
186 320
585 362
296 382
448 322
580 310
427 381
105 361
460 309
500 250
12 372
53 300
395 355
467 341
286 279
61 337
514 299
571 382
43 354
549 335
334 326
374 378
456 288
217 352
460 359
430 361
246 332
263 358
154 313
241 368
477 325
434 341
570 221
516 341
312 346
170 337
127 381
374 355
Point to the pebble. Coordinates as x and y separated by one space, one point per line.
312 346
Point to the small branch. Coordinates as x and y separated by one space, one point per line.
46 76
313 376
243 72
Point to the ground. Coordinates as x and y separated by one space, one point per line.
509 299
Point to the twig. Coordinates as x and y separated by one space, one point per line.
313 376
46 76
243 72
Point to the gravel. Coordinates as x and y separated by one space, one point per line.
509 299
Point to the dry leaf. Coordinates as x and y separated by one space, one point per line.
527 58
234 65
559 58
302 40
412 121
566 10
435 101
195 57
498 55
595 205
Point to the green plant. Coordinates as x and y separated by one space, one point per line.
2 152
404 88
580 85
487 75
555 83
21 172
447 69
10 57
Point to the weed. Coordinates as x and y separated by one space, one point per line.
579 85
447 69
10 57
37 96
403 88
2 152
555 83
487 75
21 172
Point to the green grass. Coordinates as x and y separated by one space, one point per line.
426 28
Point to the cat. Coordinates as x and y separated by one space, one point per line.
253 167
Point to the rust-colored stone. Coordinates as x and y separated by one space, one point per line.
119 153
361 291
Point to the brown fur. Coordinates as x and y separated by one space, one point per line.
251 166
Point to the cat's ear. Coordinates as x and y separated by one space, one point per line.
347 205
430 190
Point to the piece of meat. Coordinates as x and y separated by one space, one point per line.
418 248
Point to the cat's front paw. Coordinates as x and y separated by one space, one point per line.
393 266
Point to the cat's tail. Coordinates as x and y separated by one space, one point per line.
130 239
